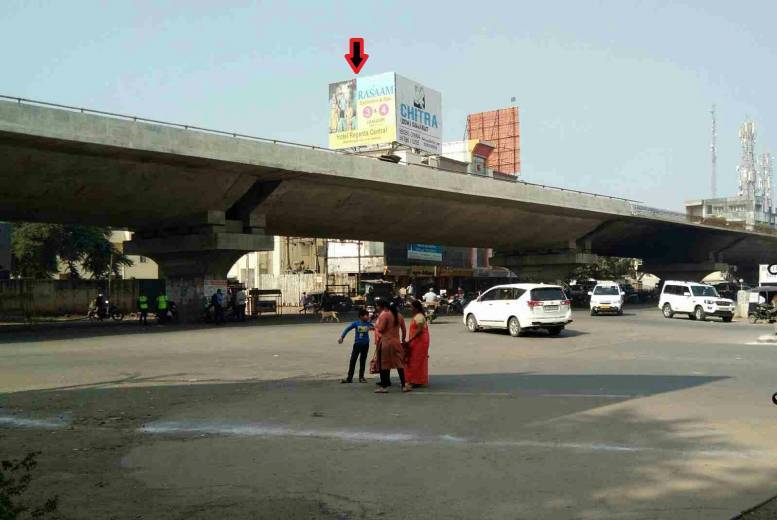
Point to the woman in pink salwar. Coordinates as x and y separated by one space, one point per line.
388 350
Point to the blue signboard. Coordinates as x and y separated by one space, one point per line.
424 252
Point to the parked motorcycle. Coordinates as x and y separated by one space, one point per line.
763 312
169 315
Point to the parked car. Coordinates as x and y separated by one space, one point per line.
606 297
629 293
726 289
579 290
697 300
520 308
338 302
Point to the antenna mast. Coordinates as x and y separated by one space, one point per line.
714 150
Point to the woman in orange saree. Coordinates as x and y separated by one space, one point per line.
417 359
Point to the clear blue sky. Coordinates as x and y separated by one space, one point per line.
614 96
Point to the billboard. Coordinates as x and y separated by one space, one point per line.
362 111
419 110
384 109
767 274
502 129
427 252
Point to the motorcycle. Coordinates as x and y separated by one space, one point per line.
430 311
169 315
763 312
455 305
100 314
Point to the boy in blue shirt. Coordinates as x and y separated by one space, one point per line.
361 345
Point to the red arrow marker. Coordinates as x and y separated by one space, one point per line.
357 57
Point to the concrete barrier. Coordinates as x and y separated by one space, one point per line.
743 304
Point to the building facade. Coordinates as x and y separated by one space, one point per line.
747 212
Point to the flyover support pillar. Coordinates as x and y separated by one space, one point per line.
187 260
552 267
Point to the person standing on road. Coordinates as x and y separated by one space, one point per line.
161 307
417 359
326 301
217 302
303 301
361 345
388 350
240 304
143 308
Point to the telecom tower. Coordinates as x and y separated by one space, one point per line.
748 176
714 151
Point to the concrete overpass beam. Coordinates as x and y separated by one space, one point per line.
689 272
550 267
187 260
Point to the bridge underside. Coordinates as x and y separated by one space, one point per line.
211 198
59 181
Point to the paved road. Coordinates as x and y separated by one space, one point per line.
620 417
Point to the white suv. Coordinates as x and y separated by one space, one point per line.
606 297
697 300
520 307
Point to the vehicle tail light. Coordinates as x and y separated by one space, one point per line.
534 303
566 302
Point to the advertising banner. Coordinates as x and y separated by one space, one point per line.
211 286
362 111
419 116
767 274
384 109
424 252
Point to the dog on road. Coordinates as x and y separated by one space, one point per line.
329 315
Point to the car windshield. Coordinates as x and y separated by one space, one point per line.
607 290
547 293
704 290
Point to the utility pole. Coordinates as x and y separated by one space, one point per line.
714 152
326 263
359 264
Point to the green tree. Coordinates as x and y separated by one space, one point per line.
606 268
38 249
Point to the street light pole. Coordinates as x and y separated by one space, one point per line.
359 266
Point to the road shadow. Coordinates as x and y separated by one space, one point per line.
626 386
566 333
459 438
84 329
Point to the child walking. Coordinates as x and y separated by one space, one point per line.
361 345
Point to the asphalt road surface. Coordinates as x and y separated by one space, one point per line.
626 417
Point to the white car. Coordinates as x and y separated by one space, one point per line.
697 300
519 308
606 297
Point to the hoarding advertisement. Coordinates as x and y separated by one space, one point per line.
419 116
424 252
362 111
384 109
767 274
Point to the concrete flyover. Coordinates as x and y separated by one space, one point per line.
198 200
